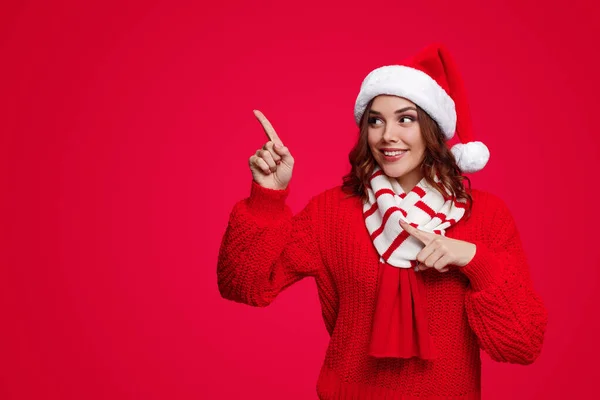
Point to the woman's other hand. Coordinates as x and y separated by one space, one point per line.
272 164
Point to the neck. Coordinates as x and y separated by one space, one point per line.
410 180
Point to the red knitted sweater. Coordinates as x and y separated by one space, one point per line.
489 304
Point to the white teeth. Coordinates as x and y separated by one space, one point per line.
393 153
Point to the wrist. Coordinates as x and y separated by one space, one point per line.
266 201
482 270
469 254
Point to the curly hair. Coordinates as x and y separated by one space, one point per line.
438 161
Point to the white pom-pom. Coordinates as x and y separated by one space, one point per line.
471 157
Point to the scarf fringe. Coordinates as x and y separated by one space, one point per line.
400 328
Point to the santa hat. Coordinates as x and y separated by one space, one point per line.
431 81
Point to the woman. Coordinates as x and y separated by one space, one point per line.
415 271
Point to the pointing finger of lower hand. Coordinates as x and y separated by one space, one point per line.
268 128
417 233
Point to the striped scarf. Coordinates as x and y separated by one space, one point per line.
423 207
400 327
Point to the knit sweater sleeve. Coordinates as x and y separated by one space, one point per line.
503 309
265 248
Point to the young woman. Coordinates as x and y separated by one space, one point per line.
415 270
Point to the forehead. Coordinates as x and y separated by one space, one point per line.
383 103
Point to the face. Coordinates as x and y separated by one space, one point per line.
395 139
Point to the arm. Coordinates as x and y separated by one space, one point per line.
265 249
504 310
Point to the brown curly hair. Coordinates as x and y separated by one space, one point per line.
438 160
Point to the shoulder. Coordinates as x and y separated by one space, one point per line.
335 198
336 194
487 202
491 210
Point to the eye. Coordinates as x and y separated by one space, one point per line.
405 119
374 121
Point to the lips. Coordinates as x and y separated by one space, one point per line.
392 152
392 155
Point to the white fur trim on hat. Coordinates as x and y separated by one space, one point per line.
414 85
471 157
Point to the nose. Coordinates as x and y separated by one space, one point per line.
391 134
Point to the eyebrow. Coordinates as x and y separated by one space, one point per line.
397 111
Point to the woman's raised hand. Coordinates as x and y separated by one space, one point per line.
272 164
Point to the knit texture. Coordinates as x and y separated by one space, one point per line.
488 304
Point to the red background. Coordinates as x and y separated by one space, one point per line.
125 133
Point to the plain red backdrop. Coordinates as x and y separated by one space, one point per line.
125 133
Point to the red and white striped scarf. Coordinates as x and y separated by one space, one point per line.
423 207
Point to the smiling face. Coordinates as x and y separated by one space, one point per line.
395 139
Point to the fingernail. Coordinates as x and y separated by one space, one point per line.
278 146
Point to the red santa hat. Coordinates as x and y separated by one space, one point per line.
430 80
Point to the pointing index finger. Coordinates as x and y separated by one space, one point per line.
417 233
268 128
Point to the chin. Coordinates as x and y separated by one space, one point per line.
393 171
405 170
